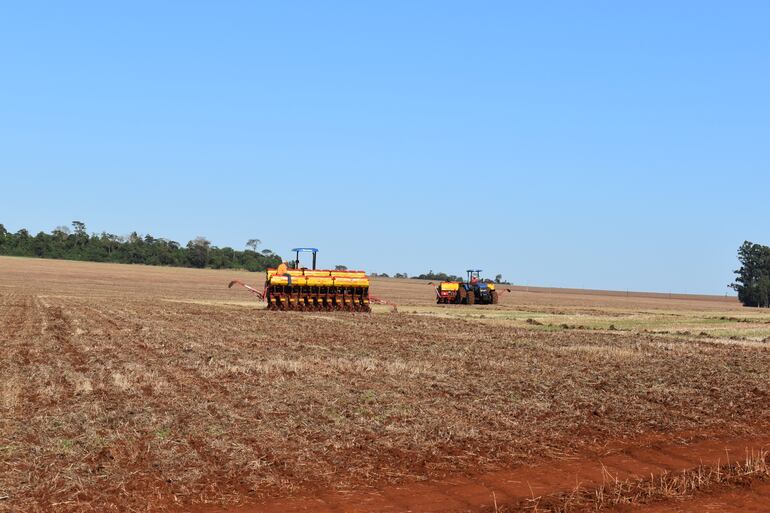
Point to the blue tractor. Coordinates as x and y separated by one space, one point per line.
477 291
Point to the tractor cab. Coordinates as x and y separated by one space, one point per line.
474 276
297 251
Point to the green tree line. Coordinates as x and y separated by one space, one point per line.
386 275
430 275
753 281
77 244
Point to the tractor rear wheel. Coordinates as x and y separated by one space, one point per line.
471 297
494 297
460 298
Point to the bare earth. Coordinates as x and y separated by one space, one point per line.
131 388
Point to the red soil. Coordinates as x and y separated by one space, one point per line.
518 487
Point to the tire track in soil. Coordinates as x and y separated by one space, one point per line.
517 487
21 321
20 317
13 309
16 320
121 326
120 343
15 314
58 325
180 377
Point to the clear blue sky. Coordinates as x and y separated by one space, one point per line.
589 144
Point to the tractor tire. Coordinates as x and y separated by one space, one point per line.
471 297
494 297
461 296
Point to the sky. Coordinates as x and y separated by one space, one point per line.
598 144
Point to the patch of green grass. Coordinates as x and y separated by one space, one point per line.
679 323
216 431
751 333
334 416
163 433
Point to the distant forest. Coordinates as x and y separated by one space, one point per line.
430 275
77 244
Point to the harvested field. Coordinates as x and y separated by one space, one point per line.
129 388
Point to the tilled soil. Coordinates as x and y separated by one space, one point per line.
139 398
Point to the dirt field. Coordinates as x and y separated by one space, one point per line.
129 388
